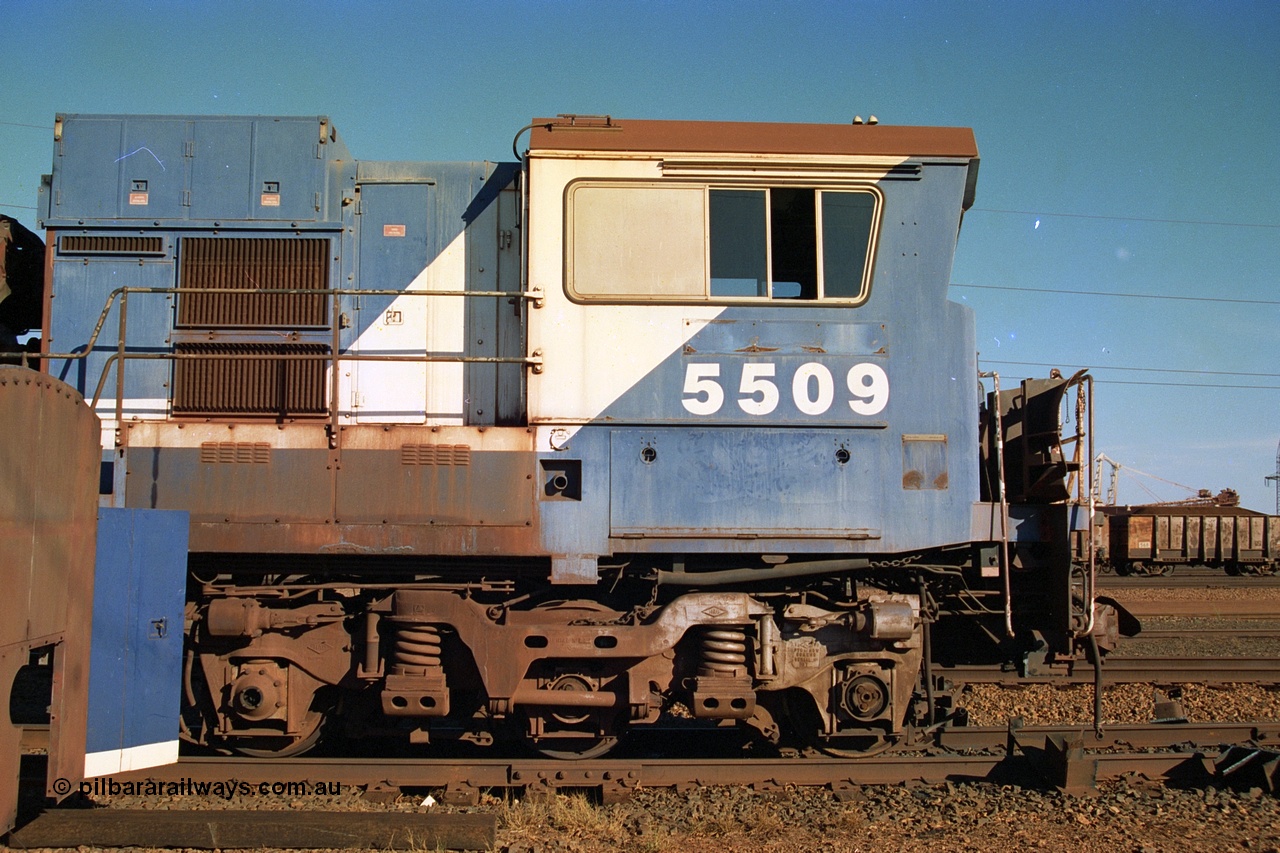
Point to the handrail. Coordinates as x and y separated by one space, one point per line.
530 296
1084 401
1004 505
121 355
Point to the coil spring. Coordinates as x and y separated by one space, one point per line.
417 647
723 653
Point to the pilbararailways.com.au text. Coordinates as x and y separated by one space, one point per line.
106 786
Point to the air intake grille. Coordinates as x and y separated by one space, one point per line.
252 383
435 454
74 244
250 264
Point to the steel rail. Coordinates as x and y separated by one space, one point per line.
1205 580
1196 633
1130 670
1135 735
1127 735
465 777
1241 608
1071 756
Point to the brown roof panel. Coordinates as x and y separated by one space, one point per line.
600 133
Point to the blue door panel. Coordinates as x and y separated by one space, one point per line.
135 663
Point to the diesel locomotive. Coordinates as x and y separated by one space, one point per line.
661 419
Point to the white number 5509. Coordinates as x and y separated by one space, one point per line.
812 388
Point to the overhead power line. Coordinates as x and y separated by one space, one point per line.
1042 213
1145 369
1101 381
1188 384
1122 295
20 124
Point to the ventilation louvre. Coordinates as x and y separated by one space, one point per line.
77 244
435 454
235 453
250 380
251 264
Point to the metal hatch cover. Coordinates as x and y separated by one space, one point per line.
734 482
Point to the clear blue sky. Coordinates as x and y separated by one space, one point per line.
1127 148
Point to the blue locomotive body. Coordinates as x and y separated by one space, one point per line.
666 412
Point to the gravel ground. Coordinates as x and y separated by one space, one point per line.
1049 704
1191 644
1127 815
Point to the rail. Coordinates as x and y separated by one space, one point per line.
1257 669
1131 748
333 358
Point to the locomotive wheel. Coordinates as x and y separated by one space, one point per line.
576 736
572 748
283 746
576 732
862 743
866 745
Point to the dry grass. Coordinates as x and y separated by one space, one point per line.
572 823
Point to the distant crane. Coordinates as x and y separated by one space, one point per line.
1200 497
1276 477
1097 478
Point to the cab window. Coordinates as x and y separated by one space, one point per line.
693 243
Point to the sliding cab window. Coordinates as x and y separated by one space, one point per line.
692 243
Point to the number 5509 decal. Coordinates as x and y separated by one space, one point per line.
812 388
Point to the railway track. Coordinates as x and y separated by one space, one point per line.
1238 608
962 753
1116 670
1193 580
1130 670
1253 633
1063 756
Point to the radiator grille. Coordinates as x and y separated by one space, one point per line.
250 264
253 383
75 244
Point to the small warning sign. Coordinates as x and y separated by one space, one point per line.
271 199
137 198
392 230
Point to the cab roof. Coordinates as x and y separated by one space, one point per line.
605 133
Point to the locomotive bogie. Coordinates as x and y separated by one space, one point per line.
570 670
